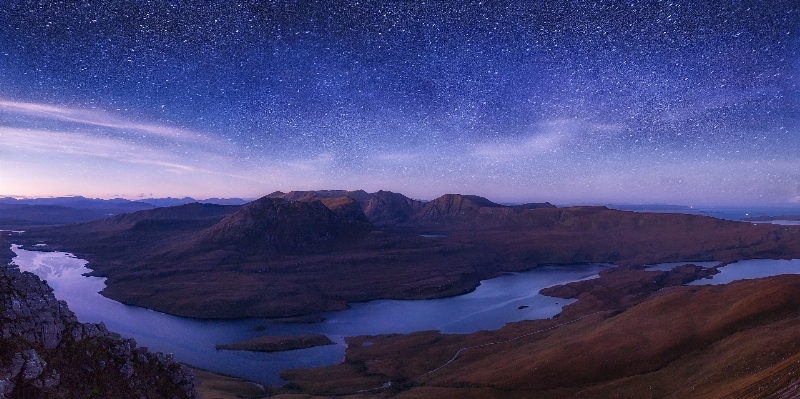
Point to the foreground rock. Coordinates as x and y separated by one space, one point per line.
46 353
278 343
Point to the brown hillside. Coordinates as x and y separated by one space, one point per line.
731 341
275 225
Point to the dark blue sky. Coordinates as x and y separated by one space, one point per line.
639 101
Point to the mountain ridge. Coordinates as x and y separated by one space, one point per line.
279 258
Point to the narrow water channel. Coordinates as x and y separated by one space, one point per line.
508 298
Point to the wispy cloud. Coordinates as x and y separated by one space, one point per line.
176 150
535 145
103 119
397 157
546 137
53 144
312 165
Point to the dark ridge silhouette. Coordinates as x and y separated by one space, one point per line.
346 207
191 211
169 201
535 205
115 205
13 216
279 226
454 206
358 195
386 208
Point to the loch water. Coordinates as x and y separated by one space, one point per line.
508 298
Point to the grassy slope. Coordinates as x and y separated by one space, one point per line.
732 341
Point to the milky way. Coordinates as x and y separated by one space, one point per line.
638 101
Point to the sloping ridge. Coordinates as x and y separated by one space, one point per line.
14 215
388 208
276 225
451 206
358 195
193 211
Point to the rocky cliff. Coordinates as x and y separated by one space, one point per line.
46 353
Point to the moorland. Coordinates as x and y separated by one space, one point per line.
631 332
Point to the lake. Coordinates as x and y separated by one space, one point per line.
751 268
741 270
720 212
493 304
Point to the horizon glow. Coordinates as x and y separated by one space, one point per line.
604 102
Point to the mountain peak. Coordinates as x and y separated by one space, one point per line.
281 226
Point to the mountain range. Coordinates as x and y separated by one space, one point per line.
22 212
631 332
296 253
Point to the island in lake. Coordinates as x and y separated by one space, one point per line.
279 343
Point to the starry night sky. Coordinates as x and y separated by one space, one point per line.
686 102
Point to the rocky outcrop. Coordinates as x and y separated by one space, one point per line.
46 353
30 311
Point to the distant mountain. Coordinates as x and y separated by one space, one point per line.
20 216
20 213
276 257
650 207
772 218
169 201
186 212
358 195
280 226
110 206
225 201
388 209
451 206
